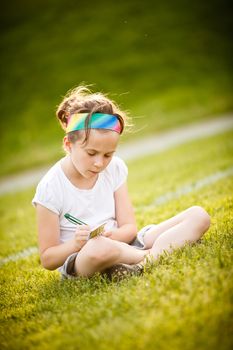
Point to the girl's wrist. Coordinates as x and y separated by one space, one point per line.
75 245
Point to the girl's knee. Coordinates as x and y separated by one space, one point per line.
100 250
200 217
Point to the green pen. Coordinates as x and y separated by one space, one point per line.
74 220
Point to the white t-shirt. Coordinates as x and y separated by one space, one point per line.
92 206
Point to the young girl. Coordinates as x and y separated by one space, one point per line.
89 183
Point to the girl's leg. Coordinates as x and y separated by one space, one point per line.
101 253
193 214
188 226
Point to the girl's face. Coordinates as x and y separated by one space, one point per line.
92 157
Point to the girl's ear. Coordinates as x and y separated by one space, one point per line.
66 144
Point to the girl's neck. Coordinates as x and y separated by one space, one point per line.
74 176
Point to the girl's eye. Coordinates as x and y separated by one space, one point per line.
93 154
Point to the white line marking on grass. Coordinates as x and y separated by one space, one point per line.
160 200
21 255
178 136
135 149
189 188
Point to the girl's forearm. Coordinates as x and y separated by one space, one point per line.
54 257
126 233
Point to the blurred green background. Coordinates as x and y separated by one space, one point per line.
167 62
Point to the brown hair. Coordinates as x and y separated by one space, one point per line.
83 100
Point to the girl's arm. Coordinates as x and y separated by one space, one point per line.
127 228
53 253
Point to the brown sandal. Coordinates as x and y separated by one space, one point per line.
120 271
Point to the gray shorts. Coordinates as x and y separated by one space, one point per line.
67 269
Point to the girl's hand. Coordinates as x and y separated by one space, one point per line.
108 234
81 235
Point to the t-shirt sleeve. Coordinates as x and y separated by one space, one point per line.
120 173
47 196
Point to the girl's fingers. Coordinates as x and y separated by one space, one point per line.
82 231
107 234
82 235
83 227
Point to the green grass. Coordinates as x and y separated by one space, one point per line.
183 302
169 63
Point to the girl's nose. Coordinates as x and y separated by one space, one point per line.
98 162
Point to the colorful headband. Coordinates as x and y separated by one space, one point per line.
97 121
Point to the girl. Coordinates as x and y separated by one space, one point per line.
90 184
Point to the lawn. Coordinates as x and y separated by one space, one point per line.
167 62
184 301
